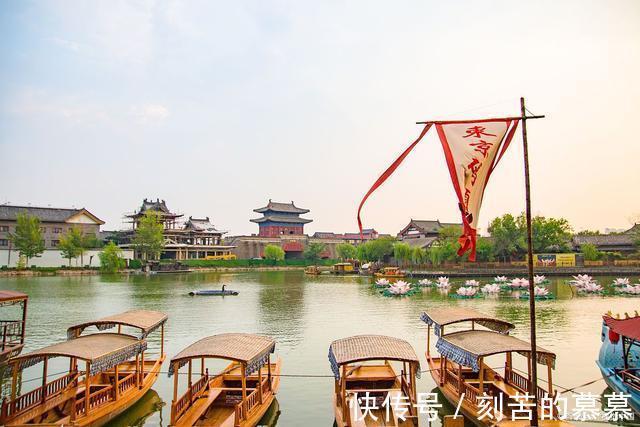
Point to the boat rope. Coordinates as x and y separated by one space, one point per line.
569 389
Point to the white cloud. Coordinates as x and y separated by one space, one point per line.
150 112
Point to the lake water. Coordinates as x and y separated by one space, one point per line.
303 314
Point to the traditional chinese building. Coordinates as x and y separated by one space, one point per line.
352 238
615 242
280 219
423 233
195 238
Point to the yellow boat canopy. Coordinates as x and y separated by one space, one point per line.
145 320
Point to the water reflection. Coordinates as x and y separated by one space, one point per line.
281 305
149 405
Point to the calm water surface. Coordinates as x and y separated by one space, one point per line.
304 314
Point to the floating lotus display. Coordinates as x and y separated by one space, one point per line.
399 289
519 283
443 283
472 283
500 279
581 279
539 280
382 282
425 282
466 292
621 281
590 288
631 290
492 288
539 292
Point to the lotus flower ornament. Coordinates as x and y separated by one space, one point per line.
538 280
466 291
540 291
425 282
399 288
492 288
472 283
621 281
443 282
382 282
501 279
519 283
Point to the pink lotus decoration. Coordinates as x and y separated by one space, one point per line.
501 279
493 288
540 291
472 283
399 288
425 282
466 291
519 283
581 279
631 289
621 281
537 280
443 282
382 282
590 287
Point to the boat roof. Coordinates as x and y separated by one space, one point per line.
7 296
628 327
439 317
145 320
103 351
361 348
466 347
250 349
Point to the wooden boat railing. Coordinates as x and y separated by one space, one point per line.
521 382
11 332
101 396
189 396
127 382
37 396
243 409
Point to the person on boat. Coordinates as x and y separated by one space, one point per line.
223 286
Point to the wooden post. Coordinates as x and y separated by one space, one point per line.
533 383
141 383
87 388
45 364
202 366
481 383
14 383
460 386
507 368
243 371
189 378
137 370
117 382
269 370
176 374
260 384
428 339
24 321
443 367
346 412
549 377
162 340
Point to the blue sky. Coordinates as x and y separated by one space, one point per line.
218 106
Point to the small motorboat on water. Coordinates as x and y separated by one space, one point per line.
213 292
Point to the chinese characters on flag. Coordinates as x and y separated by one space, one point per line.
472 150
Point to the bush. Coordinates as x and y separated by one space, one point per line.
210 263
273 253
135 263
111 260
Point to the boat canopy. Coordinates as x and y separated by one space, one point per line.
145 320
12 297
447 316
252 350
628 327
360 348
103 351
466 347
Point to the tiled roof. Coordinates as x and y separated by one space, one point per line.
200 224
281 207
422 242
604 240
428 226
281 218
10 213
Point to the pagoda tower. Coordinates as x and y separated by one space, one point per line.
280 219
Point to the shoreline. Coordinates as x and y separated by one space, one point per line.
450 272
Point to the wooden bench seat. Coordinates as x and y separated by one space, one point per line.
200 406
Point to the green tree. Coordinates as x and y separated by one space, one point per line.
588 233
70 245
508 239
402 252
111 260
485 250
379 248
362 252
273 253
418 255
313 250
450 233
548 234
28 239
590 252
346 251
149 239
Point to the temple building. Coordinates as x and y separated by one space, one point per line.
624 242
423 233
280 219
195 238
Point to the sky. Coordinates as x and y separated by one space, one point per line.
217 107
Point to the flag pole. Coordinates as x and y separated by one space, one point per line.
533 381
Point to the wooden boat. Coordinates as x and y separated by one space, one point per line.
213 292
344 268
239 395
619 358
312 269
363 364
13 331
460 369
115 374
390 273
